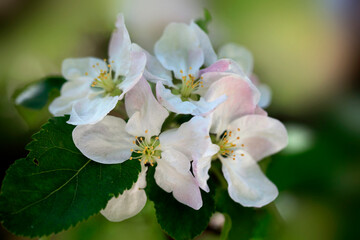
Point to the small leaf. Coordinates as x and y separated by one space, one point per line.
56 187
204 22
176 219
36 95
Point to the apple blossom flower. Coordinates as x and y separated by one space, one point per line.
112 140
245 59
243 135
94 86
183 49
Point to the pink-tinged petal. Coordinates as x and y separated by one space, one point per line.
191 138
247 184
260 111
137 67
105 142
154 71
129 203
179 49
205 44
70 93
242 98
146 114
261 135
220 66
218 70
201 167
120 48
239 54
225 66
85 68
91 110
174 103
173 175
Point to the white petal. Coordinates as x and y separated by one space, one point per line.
174 103
129 203
239 54
204 107
138 62
261 135
119 48
191 138
91 110
104 142
205 44
247 184
242 98
173 175
201 166
154 71
265 98
146 114
87 68
70 93
179 49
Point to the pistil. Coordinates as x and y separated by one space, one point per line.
189 84
146 151
227 144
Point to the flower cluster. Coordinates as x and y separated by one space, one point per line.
218 92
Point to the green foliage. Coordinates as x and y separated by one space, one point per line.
56 187
246 223
176 219
36 95
204 22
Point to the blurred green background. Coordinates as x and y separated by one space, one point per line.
307 51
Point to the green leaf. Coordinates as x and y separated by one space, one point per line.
176 219
56 187
204 22
247 223
36 95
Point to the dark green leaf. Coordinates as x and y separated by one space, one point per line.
55 187
36 95
176 219
247 223
204 22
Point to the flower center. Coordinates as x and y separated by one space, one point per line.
105 80
228 144
146 151
189 84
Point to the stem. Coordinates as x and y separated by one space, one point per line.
219 176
